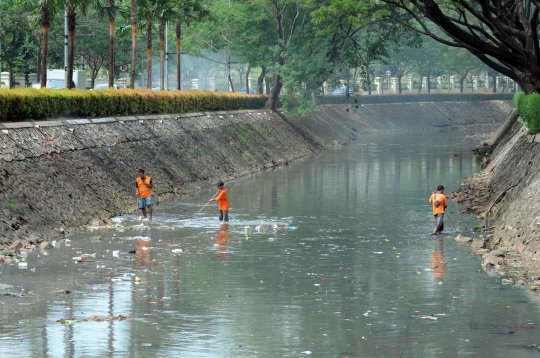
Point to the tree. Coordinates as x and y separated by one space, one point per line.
501 34
147 11
110 12
460 62
46 9
186 11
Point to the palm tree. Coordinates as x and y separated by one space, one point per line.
165 10
71 24
47 10
133 11
45 23
186 11
111 11
72 6
147 12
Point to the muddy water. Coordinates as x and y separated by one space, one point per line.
337 261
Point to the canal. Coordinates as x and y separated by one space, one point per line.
330 256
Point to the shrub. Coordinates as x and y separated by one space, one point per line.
528 107
517 98
27 104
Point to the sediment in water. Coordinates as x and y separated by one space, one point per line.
66 174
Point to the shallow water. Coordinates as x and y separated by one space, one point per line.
355 272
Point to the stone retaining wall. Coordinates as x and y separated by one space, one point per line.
67 173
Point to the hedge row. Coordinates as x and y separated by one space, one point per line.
415 97
27 104
528 106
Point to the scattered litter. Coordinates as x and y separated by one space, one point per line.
378 252
146 344
427 318
116 253
440 283
428 269
24 254
307 352
64 291
177 251
94 318
23 265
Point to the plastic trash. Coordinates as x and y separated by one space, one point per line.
24 254
116 253
177 251
378 252
292 227
23 265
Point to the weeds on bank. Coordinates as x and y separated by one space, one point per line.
11 206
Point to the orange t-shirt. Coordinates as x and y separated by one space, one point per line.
144 190
441 198
222 198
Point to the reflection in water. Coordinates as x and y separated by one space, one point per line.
221 241
437 265
339 262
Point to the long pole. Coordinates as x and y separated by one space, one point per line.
207 203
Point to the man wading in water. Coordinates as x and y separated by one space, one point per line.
223 202
439 203
144 193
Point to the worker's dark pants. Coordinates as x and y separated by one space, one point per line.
224 215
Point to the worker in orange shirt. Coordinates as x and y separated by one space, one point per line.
222 198
439 203
144 193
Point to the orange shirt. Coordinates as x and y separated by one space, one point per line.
222 198
143 186
441 198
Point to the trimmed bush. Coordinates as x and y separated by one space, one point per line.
32 104
528 107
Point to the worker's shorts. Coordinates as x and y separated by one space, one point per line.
144 202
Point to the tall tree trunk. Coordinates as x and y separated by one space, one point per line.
428 84
399 83
260 80
133 42
161 30
247 78
71 17
111 48
38 60
268 90
45 23
461 81
229 78
494 77
421 84
368 80
149 53
178 54
274 95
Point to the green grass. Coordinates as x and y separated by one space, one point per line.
11 206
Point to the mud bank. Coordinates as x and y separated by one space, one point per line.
66 174
505 196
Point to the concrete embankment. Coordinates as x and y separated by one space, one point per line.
505 197
66 174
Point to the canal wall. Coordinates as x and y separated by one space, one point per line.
58 176
505 197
